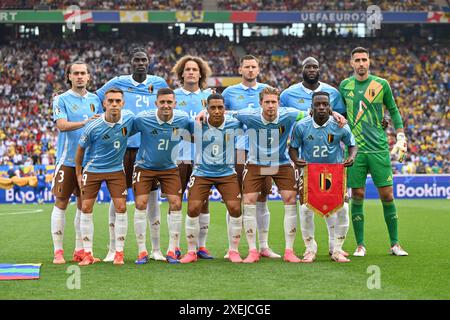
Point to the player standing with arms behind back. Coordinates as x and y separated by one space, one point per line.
365 97
140 94
72 110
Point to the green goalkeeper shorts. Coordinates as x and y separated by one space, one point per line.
377 164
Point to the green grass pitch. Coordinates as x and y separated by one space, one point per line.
423 229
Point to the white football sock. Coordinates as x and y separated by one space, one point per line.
331 226
290 225
87 231
250 225
154 219
227 219
140 228
78 238
204 220
174 222
234 232
121 230
307 227
341 228
58 221
263 220
192 232
112 221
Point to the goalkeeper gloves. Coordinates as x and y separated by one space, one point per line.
400 147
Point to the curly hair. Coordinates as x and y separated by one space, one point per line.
205 70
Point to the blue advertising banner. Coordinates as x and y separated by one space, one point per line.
405 187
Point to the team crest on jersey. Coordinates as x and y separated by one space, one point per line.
75 107
124 131
301 100
130 89
330 138
92 107
241 97
150 88
203 103
183 104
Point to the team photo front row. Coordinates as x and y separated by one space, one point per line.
315 138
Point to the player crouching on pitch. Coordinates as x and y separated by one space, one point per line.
214 166
100 158
319 137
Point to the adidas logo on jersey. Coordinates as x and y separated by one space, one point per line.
389 178
105 137
310 137
351 94
154 131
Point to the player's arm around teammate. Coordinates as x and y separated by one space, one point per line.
100 158
214 167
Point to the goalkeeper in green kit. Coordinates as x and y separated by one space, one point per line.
366 96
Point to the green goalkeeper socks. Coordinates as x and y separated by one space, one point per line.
391 218
358 220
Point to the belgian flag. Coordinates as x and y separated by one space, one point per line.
282 129
124 131
92 107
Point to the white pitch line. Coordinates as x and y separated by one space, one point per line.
22 212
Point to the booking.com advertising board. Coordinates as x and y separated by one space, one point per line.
405 187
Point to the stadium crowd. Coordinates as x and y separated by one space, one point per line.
30 71
399 5
105 4
358 5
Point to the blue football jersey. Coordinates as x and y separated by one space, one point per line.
191 103
321 144
214 155
40 180
159 150
239 97
74 108
268 140
138 96
105 143
299 97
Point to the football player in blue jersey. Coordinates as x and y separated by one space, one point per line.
214 166
99 159
299 96
237 97
72 110
156 162
192 73
318 138
140 94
